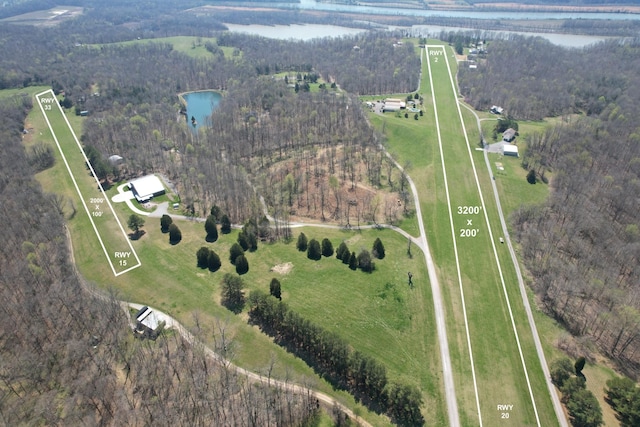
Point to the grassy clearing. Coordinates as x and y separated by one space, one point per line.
189 45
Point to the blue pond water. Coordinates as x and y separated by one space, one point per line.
201 105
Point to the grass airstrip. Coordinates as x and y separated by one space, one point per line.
377 313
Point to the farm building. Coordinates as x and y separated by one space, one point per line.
393 104
496 110
509 135
510 150
146 187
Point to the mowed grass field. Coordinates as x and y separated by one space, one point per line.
500 374
378 313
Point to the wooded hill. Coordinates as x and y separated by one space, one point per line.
582 246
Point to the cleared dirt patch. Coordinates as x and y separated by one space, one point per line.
282 268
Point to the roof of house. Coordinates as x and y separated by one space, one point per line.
148 318
146 187
509 134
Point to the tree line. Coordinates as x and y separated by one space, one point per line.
335 360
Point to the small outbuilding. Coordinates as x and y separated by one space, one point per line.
510 150
115 160
509 135
148 323
146 187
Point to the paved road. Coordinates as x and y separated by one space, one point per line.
523 291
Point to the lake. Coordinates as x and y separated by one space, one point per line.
200 105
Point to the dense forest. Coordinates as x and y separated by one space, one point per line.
582 246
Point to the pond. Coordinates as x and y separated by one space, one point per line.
200 106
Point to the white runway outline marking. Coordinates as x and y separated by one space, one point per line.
453 231
82 199
491 238
493 244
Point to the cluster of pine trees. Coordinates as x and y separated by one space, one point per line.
363 260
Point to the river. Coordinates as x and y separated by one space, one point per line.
312 31
313 5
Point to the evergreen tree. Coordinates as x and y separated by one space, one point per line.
165 222
584 409
313 251
531 176
235 251
364 261
264 229
624 397
232 295
250 230
252 240
302 243
211 228
203 257
274 289
225 224
243 241
404 405
213 261
353 261
342 251
215 212
175 235
561 370
378 249
327 248
242 265
579 365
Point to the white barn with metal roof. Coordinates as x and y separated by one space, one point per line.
509 150
146 187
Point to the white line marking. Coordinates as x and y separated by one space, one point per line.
64 158
493 245
453 232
